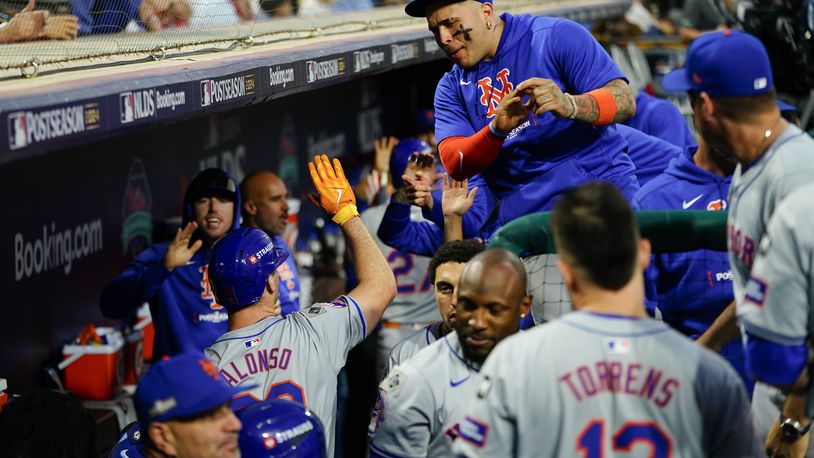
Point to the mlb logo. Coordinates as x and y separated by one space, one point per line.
717 205
17 130
206 93
252 343
126 107
357 61
755 291
617 345
311 69
252 259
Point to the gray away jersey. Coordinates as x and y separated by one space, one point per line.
415 301
410 346
755 192
595 385
420 400
297 357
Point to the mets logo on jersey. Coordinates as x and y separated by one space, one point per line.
717 205
492 95
755 291
473 431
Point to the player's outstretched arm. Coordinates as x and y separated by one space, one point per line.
377 285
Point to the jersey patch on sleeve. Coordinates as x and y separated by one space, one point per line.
339 302
315 310
473 431
394 381
755 291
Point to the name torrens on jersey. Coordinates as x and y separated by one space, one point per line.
318 70
26 128
225 89
146 103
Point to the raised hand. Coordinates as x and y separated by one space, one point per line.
456 199
180 251
383 148
25 25
511 112
334 194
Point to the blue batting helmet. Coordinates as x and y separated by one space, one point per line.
240 265
280 428
401 155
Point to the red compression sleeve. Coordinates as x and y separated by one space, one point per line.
463 157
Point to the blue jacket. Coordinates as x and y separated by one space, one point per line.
104 16
424 238
649 154
185 314
690 289
660 118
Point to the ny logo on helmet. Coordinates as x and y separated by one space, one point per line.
488 90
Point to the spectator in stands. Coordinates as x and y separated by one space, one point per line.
699 16
47 423
265 206
183 409
30 24
173 275
112 16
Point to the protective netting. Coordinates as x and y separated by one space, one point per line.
109 29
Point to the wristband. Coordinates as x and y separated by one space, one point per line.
345 214
606 105
494 132
570 98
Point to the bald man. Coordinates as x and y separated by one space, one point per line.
265 206
421 400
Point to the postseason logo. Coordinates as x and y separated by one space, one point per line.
26 128
146 103
401 53
367 58
317 70
224 89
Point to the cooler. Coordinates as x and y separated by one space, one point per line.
95 371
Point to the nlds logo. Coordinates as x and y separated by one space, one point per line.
136 105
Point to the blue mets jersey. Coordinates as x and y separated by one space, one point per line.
289 281
545 155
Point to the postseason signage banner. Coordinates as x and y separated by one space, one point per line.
53 127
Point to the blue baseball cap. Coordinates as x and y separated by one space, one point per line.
728 63
179 387
425 119
418 8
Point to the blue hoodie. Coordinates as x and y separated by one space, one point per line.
185 314
660 118
690 289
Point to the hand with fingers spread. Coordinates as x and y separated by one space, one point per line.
457 199
418 187
179 252
334 194
511 112
546 96
383 148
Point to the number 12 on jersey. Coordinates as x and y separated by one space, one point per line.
591 442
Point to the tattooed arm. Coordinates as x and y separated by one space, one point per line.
545 96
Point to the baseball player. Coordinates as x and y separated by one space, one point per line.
692 289
183 409
280 428
173 276
626 384
265 205
776 312
736 112
298 356
651 155
417 409
529 152
414 306
444 271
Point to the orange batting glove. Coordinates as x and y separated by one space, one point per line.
334 194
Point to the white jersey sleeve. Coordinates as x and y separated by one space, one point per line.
405 413
778 296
